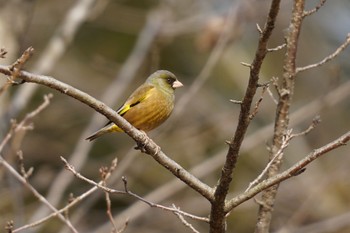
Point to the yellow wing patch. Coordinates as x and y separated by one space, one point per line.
137 97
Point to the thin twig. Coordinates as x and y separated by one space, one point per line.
25 174
272 96
122 229
278 154
257 104
246 64
126 191
36 194
277 48
100 185
60 211
109 211
310 12
23 125
15 68
151 204
314 123
72 203
289 173
328 58
105 174
182 219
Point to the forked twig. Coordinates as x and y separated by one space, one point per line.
328 58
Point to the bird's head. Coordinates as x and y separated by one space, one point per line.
165 80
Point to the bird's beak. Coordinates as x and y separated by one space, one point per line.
177 84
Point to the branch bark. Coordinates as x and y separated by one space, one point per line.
217 215
282 115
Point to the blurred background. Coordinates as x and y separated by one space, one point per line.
108 48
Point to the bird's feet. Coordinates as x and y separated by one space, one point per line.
142 145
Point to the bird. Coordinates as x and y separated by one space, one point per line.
148 106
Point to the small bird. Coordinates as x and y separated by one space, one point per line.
148 106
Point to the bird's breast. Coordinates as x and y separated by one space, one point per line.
151 112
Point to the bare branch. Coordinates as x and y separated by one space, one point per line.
246 64
236 101
289 173
314 123
310 12
25 174
18 65
182 219
15 68
78 175
278 155
286 93
277 48
122 229
259 29
105 173
217 215
114 191
61 211
23 125
328 58
109 210
151 204
257 104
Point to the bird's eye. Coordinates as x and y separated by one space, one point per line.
170 80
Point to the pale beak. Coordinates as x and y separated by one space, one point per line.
177 84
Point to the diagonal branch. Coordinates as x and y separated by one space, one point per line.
310 12
150 147
291 172
328 58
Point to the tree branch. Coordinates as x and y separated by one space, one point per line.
150 147
22 178
282 116
291 172
310 12
328 58
217 215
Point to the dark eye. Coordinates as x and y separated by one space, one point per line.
170 80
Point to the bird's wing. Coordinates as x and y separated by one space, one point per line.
138 96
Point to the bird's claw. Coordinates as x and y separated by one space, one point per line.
142 145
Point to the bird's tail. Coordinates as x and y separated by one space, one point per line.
97 134
111 127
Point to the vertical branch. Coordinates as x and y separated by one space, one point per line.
217 215
282 115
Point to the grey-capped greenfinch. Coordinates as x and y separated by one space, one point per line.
148 106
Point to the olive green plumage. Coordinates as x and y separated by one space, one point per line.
148 106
